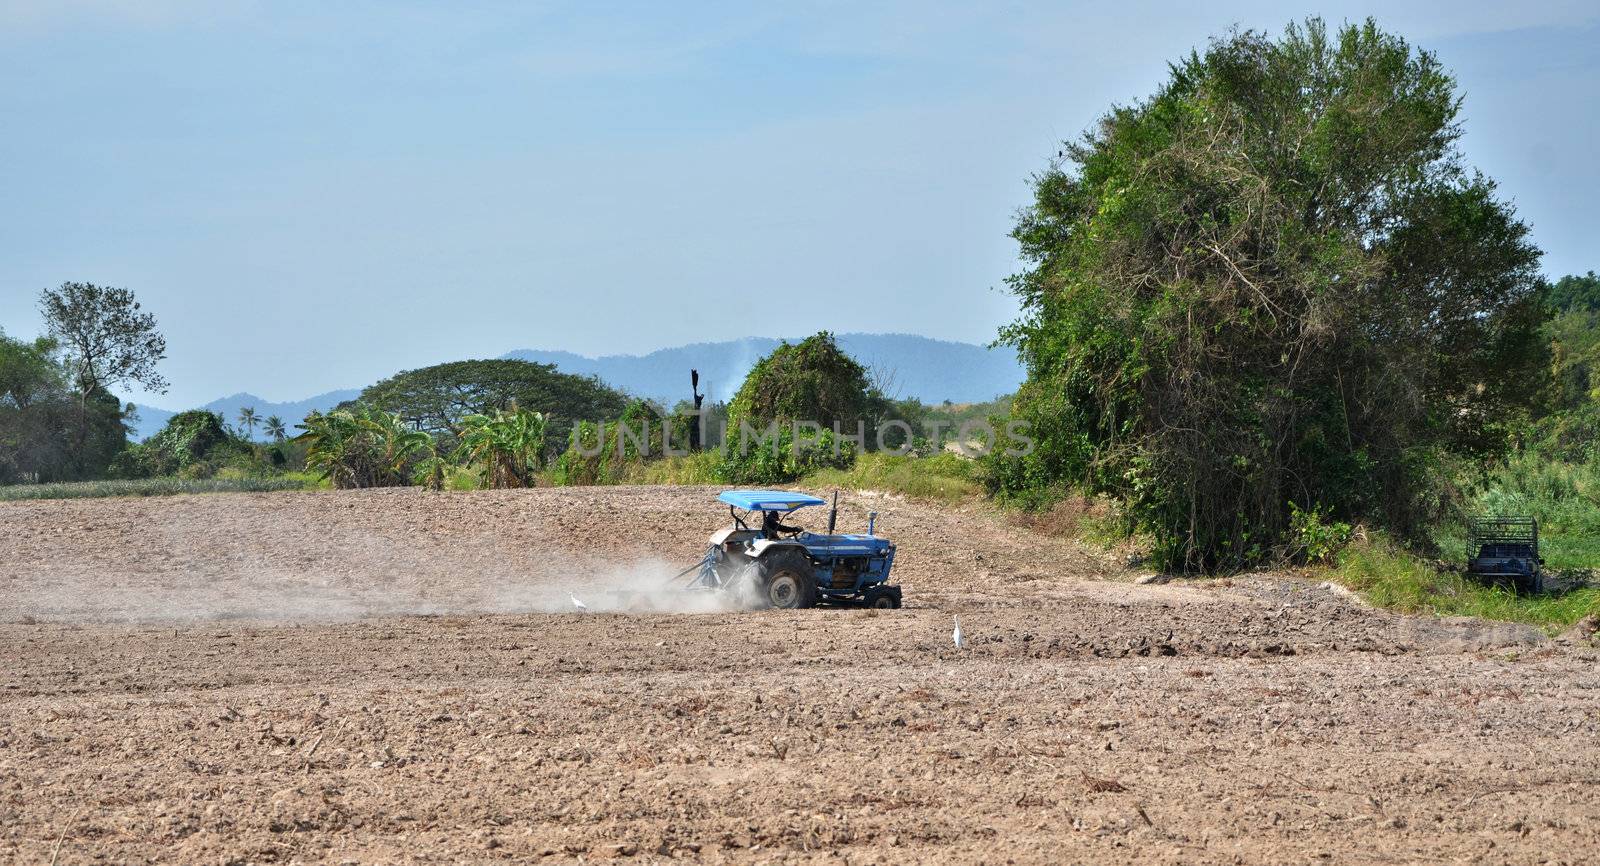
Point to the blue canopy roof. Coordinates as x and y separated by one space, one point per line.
768 500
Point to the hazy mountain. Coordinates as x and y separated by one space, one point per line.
911 366
151 419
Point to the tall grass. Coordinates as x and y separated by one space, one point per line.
698 468
947 478
167 486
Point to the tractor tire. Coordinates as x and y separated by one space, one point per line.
786 581
882 598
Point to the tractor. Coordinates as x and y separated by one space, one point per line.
785 566
1506 551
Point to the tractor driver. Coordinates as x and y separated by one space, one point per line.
772 525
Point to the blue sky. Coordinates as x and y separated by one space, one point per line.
314 195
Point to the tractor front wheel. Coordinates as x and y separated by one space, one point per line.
787 582
883 598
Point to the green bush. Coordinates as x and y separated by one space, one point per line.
617 451
192 445
590 458
1313 538
781 459
363 446
508 449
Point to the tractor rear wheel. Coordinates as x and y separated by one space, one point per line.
787 581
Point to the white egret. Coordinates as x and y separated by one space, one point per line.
956 635
582 608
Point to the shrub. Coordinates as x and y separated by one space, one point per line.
615 451
781 459
1313 538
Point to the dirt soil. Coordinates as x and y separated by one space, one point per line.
391 676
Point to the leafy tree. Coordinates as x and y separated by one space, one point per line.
188 438
248 420
1570 424
1574 293
1273 284
436 399
47 432
29 372
275 428
109 341
508 448
812 381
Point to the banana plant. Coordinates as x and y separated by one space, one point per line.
363 447
392 445
331 446
508 448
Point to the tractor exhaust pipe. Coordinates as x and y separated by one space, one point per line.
833 513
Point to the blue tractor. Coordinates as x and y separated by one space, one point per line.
785 566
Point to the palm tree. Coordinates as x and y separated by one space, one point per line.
509 448
248 420
275 428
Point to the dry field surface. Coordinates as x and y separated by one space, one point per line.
394 676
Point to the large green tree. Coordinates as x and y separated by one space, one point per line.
1274 283
436 399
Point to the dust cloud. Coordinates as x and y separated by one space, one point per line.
644 586
321 558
